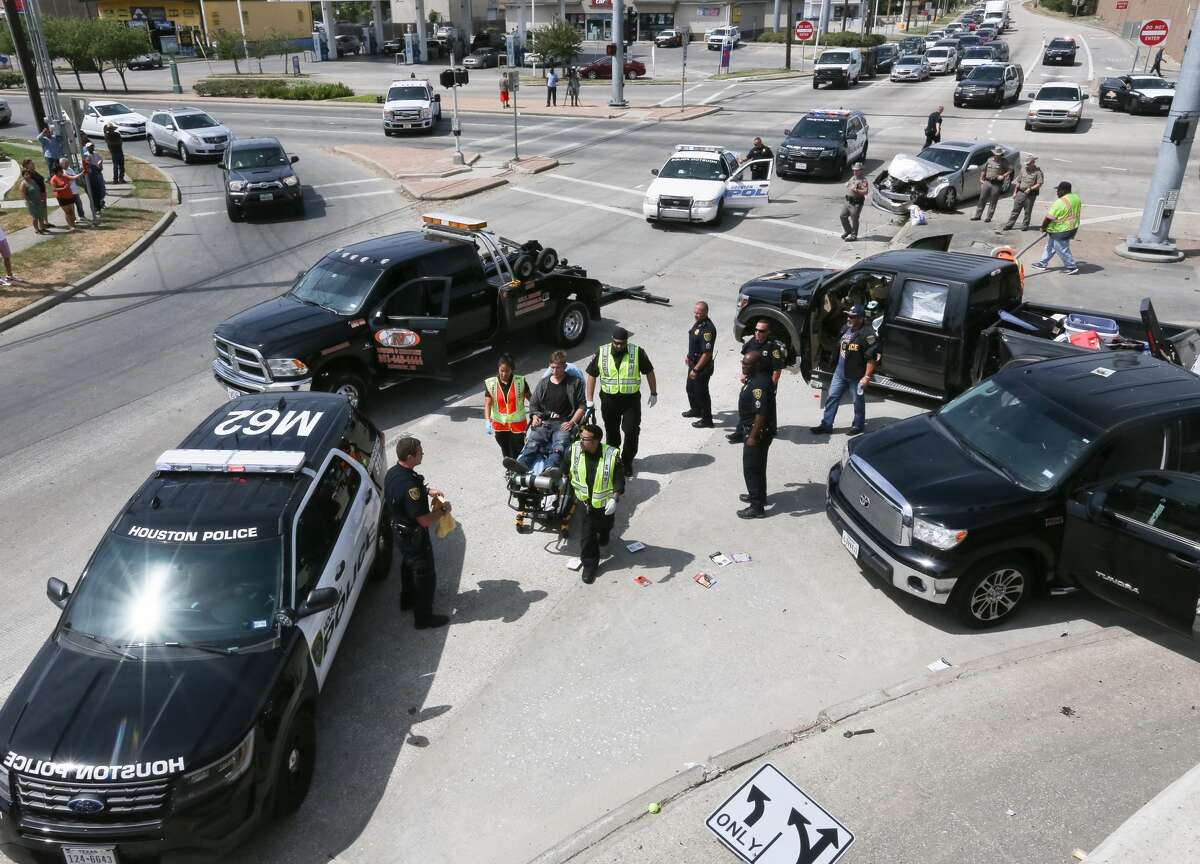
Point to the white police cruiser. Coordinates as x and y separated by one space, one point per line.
173 705
699 183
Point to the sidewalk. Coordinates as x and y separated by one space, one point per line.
1006 759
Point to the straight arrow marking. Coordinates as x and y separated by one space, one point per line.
759 799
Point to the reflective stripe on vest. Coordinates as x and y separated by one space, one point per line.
1070 219
625 378
602 485
508 409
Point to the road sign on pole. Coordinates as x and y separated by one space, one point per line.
804 30
1154 32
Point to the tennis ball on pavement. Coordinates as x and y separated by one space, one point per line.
654 808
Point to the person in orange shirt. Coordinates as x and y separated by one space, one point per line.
61 184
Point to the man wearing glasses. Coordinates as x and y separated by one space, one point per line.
555 411
620 366
774 355
599 481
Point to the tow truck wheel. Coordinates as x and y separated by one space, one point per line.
348 384
547 261
992 591
571 324
296 761
524 267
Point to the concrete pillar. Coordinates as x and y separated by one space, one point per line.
330 27
377 16
522 28
562 11
421 25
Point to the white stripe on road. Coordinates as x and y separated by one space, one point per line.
1113 168
323 198
624 211
558 176
673 98
205 213
202 200
344 183
1088 52
719 93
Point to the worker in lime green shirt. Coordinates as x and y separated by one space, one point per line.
1060 227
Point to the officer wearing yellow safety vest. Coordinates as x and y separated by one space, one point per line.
598 481
620 366
504 398
1060 227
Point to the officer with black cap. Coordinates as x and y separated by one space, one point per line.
756 415
857 358
407 499
774 353
699 360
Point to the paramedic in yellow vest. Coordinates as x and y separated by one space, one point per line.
1060 227
504 399
620 366
598 481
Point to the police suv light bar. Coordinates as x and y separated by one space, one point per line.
706 148
447 220
232 461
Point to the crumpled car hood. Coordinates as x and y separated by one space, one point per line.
913 170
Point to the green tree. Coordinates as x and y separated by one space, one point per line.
229 44
69 39
270 45
118 45
558 44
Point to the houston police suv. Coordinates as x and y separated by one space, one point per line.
173 705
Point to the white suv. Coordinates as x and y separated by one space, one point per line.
718 38
411 104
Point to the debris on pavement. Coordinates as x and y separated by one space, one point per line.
1079 855
654 807
641 580
574 564
1010 812
851 733
704 580
635 546
720 559
939 664
741 557
1068 711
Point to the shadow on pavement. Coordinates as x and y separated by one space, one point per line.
672 463
495 599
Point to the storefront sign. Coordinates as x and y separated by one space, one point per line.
709 12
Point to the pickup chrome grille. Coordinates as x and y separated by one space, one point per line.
872 505
123 802
269 184
1051 112
407 114
668 203
241 360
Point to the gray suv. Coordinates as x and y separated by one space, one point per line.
186 132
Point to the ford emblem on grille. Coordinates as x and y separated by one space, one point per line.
864 500
86 804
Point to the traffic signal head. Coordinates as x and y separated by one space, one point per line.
447 78
610 49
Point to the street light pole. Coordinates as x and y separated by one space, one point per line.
617 100
1153 241
246 48
28 69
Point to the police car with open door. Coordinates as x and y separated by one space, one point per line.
700 183
173 705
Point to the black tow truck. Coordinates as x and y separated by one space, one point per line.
946 320
407 306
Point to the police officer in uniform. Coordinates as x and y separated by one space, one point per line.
408 506
701 339
1025 193
619 366
856 195
774 352
756 415
759 151
858 356
992 179
599 481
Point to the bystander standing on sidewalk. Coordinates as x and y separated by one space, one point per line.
1156 69
6 254
116 151
35 200
63 187
573 86
503 92
93 170
52 148
72 177
552 88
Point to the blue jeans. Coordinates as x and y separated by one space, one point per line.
1062 246
837 389
546 442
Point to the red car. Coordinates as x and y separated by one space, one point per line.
602 68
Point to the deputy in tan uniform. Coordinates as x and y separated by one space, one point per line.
1025 193
995 174
856 195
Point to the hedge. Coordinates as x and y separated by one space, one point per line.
832 39
11 79
271 88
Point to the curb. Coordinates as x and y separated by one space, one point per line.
375 165
453 190
634 809
39 306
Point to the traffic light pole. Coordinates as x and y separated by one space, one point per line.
28 69
617 100
1153 241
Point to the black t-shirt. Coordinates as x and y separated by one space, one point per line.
757 397
404 492
772 349
702 335
859 347
935 120
557 401
644 364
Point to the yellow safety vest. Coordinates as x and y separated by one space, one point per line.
1065 213
626 378
508 409
602 485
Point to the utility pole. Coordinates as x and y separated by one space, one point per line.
1153 241
787 40
28 69
617 100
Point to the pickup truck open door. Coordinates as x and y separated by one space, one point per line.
409 330
1135 541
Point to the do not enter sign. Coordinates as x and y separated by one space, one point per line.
1153 33
804 30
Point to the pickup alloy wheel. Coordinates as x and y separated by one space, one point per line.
992 591
348 384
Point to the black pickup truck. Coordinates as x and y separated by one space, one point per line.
409 305
946 320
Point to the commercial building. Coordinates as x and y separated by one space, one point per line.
179 26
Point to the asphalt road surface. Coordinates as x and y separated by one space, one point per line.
546 702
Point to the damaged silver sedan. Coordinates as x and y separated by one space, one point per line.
940 176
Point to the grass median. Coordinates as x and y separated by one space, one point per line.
62 260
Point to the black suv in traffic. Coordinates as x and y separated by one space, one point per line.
259 176
823 143
1060 50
